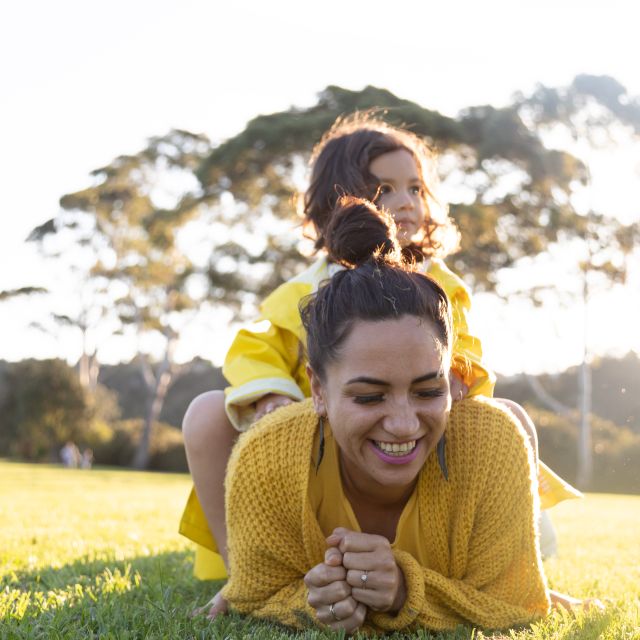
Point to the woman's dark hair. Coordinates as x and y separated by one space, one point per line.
340 165
378 284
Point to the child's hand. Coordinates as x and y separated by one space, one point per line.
217 606
562 600
458 388
269 403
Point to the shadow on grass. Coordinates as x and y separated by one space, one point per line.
152 597
146 596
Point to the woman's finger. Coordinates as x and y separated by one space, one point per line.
356 542
354 621
380 588
323 574
319 597
333 557
380 559
346 614
336 536
364 579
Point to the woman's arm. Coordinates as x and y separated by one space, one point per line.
265 492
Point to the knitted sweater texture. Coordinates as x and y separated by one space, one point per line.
479 525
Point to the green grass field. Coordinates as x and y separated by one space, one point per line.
95 554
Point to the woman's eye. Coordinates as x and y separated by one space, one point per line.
430 393
369 399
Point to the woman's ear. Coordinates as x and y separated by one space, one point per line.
317 392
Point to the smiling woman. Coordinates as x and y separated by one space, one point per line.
375 505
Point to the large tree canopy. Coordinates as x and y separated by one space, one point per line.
521 190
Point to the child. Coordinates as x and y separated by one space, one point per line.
364 157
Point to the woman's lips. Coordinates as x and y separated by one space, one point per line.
396 459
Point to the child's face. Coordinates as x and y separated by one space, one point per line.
401 193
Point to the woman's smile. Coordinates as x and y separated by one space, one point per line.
396 452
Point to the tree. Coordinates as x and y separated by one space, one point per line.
10 294
136 257
43 407
593 110
486 148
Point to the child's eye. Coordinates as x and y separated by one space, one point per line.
383 189
417 190
368 399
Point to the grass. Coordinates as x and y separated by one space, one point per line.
95 554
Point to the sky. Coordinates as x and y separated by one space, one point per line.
82 82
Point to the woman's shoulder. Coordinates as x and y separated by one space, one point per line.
481 429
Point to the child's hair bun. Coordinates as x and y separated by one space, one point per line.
358 231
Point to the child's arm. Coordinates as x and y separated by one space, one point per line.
262 366
270 403
267 359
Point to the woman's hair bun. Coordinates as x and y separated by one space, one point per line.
358 230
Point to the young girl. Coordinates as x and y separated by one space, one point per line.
364 157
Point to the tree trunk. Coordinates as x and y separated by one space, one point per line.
158 391
585 456
545 397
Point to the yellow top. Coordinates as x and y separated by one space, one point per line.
267 358
479 561
333 509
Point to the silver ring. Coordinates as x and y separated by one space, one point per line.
333 613
363 578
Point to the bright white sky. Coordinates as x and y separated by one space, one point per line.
84 81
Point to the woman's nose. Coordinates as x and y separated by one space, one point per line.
402 421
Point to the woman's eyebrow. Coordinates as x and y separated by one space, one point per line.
368 380
392 180
428 376
382 383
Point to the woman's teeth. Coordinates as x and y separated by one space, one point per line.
395 448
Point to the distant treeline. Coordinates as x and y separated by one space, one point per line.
42 406
615 397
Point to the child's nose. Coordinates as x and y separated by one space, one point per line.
405 201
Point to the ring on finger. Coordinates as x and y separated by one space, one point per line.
364 577
333 613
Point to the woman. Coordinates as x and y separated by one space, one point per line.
374 505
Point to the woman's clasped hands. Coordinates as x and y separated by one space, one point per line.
359 572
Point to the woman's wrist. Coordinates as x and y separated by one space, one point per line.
401 593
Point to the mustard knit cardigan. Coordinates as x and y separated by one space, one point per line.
479 525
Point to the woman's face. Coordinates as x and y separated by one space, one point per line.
401 192
387 399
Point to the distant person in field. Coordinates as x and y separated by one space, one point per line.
70 455
393 168
86 461
376 505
